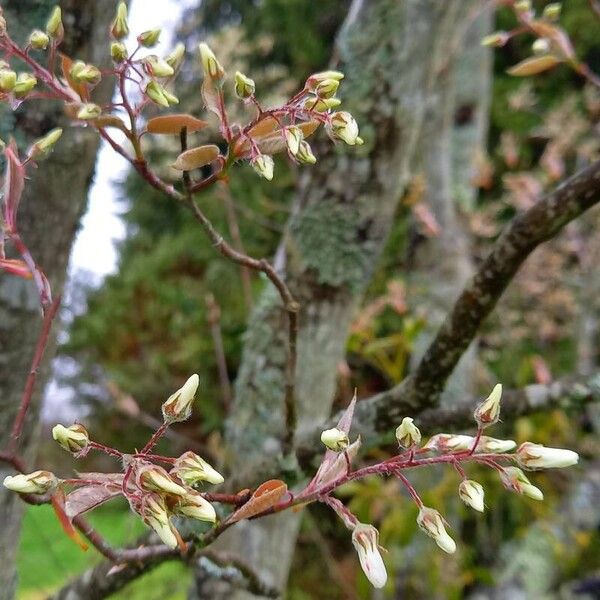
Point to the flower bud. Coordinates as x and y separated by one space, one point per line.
305 154
407 433
156 479
541 46
149 38
316 78
490 444
89 112
431 522
523 6
120 28
118 52
159 95
514 479
193 505
24 84
8 79
171 99
54 25
321 104
365 539
488 412
157 67
552 11
178 406
327 88
344 127
156 516
536 456
38 40
38 482
244 86
192 469
210 64
293 137
446 442
496 39
335 439
2 25
471 493
175 58
80 72
263 164
73 439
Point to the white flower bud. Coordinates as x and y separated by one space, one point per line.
490 444
537 456
471 493
210 64
344 126
178 406
335 439
305 154
192 469
156 479
244 86
263 164
431 522
407 433
73 439
514 479
446 442
365 539
156 516
193 505
541 46
38 482
293 137
488 412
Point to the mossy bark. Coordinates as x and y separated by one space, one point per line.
49 214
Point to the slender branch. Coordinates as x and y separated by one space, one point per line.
214 321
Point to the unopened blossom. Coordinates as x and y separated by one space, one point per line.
42 147
178 406
73 439
321 104
175 58
120 27
327 88
156 516
490 444
488 412
472 494
24 84
365 539
244 86
193 505
54 25
316 78
149 38
447 442
158 67
344 127
38 482
293 138
156 479
39 40
407 433
81 72
432 523
210 64
89 112
263 164
537 456
160 95
8 80
193 469
514 479
335 439
305 154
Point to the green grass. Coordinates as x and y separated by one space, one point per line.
48 558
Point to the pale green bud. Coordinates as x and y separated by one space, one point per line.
156 93
25 83
83 73
156 516
313 81
156 479
552 11
488 412
178 406
157 67
514 479
523 6
193 505
40 149
149 38
210 64
89 112
73 439
305 154
293 137
244 86
263 164
175 58
38 482
431 522
321 104
120 28
472 494
192 469
335 439
407 433
118 52
327 88
8 79
344 126
495 40
39 40
54 25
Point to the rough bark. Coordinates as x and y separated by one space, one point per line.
49 215
392 54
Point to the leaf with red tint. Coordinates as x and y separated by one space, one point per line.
429 224
15 267
14 182
265 496
194 158
173 124
210 96
89 497
534 65
58 503
541 370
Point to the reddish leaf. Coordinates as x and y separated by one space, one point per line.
14 182
86 498
15 267
534 65
58 503
423 214
267 494
173 124
210 95
196 157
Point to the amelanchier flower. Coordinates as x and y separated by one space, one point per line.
156 479
316 78
155 515
73 439
490 444
244 86
38 482
293 138
119 27
178 406
54 25
536 456
407 433
149 38
193 469
193 505
305 154
157 67
471 493
344 127
446 442
514 479
335 439
39 40
432 523
263 164
365 539
488 412
210 64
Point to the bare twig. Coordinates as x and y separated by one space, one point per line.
214 321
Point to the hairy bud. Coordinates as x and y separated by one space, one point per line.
24 84
407 433
432 523
178 406
149 38
472 494
263 164
210 64
118 52
89 112
488 412
192 469
244 86
335 439
8 79
39 40
119 28
73 439
365 539
54 25
38 482
193 505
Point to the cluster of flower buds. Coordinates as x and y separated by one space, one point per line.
19 85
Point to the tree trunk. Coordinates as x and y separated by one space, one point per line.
392 53
49 214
